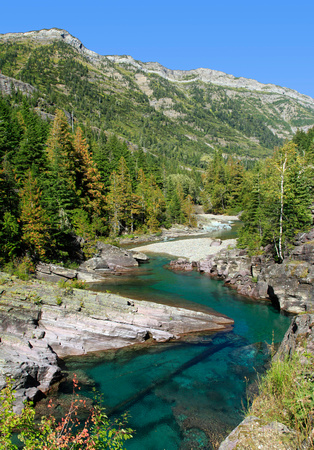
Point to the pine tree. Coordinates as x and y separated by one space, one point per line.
10 130
35 225
155 205
60 184
188 211
87 177
9 213
30 152
119 198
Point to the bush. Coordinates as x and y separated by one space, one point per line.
22 268
98 432
78 284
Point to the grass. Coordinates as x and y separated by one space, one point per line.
287 395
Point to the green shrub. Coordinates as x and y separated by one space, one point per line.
22 268
78 284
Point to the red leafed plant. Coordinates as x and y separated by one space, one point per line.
98 432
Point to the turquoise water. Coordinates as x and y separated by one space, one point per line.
190 393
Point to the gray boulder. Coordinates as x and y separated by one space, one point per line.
109 258
253 434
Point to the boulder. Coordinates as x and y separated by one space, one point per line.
54 273
109 259
182 264
253 434
139 256
290 285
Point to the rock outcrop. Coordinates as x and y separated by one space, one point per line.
300 331
25 353
40 322
9 85
108 259
253 434
289 285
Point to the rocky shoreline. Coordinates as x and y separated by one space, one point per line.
289 286
41 322
213 223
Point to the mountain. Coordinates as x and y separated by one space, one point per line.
182 115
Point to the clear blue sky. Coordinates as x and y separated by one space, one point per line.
270 41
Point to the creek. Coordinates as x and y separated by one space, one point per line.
187 394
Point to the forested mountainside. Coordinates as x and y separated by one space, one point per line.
180 115
94 146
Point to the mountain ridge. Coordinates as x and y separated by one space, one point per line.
181 114
201 73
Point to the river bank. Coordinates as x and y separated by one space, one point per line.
223 372
191 249
41 322
289 285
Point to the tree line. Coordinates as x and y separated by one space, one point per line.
275 196
61 187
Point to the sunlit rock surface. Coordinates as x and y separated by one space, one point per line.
41 322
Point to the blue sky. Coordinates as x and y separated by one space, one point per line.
270 41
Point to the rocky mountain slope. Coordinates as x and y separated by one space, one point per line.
178 114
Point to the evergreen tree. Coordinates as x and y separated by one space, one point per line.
10 130
188 211
9 213
35 224
60 194
155 205
142 196
278 205
30 152
119 199
87 178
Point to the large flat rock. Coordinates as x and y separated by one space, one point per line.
41 322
